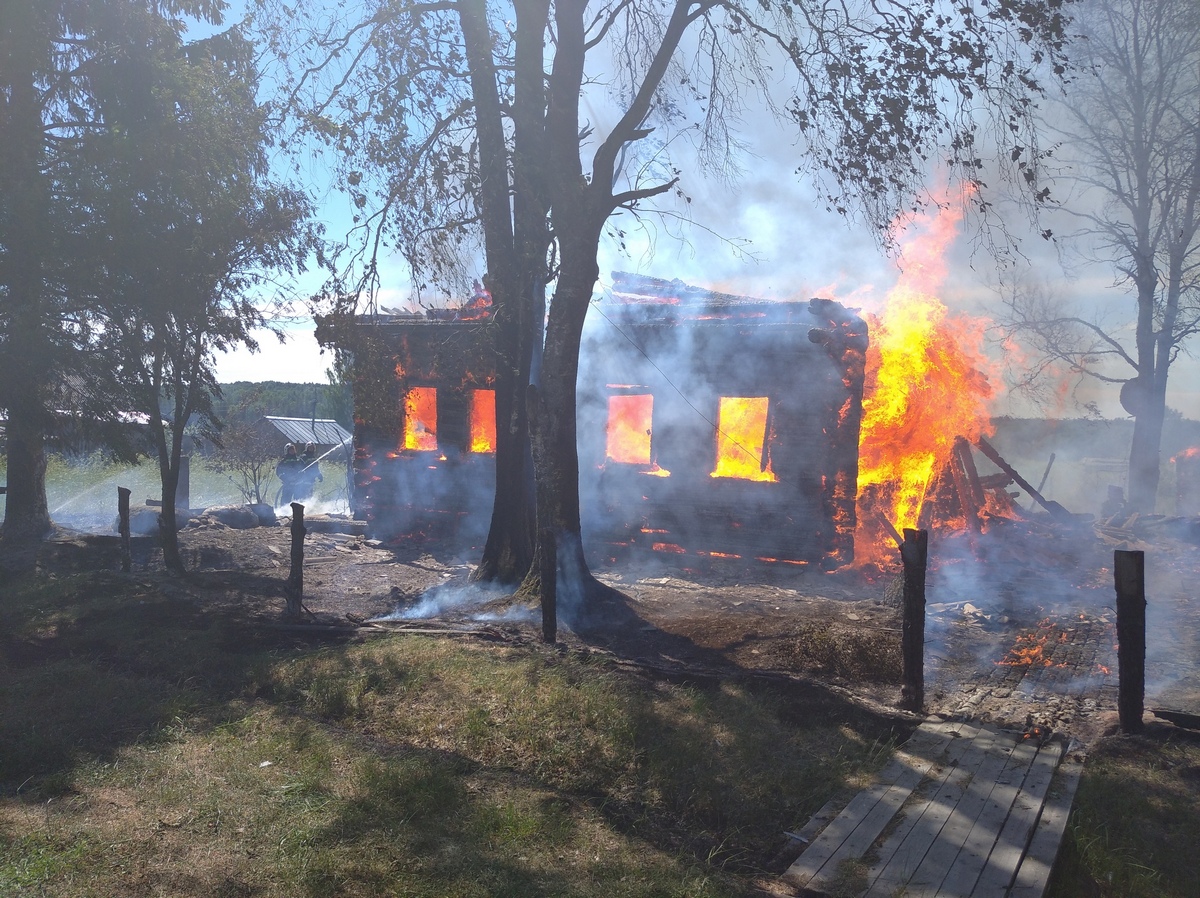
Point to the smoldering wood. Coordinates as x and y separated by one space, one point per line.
293 590
123 529
929 501
967 460
1046 473
1179 718
993 482
890 528
964 493
1129 573
914 553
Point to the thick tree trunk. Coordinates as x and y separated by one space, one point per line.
508 552
25 352
168 523
555 452
26 515
1145 451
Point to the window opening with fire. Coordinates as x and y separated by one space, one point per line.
483 420
743 439
630 419
420 419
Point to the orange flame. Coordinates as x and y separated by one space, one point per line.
741 439
483 420
629 425
927 382
669 547
1029 650
420 419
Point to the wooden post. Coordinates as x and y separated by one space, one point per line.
1129 570
123 529
293 590
914 552
548 587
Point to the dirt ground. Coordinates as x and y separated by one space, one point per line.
988 594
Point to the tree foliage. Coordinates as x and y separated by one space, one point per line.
157 222
186 227
56 58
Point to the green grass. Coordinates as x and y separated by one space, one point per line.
150 746
1135 824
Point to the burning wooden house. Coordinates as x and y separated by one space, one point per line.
709 424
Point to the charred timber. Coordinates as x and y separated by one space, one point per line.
1056 511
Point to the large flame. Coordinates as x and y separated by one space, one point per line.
926 383
629 425
420 419
742 436
483 420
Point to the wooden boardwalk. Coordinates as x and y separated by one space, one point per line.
961 810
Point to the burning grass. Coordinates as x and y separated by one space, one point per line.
155 742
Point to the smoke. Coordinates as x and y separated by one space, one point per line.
426 495
451 598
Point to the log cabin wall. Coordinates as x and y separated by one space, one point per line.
693 352
418 470
675 358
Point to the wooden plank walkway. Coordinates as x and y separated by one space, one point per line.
961 811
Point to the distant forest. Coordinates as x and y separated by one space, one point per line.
246 401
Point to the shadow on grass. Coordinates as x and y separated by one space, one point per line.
91 662
1136 819
499 771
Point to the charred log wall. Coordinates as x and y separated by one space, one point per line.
685 350
443 491
807 359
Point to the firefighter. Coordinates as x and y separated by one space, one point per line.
288 471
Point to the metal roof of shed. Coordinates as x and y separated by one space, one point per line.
320 431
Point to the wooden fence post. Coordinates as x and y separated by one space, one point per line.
914 552
293 590
1129 572
123 529
548 586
